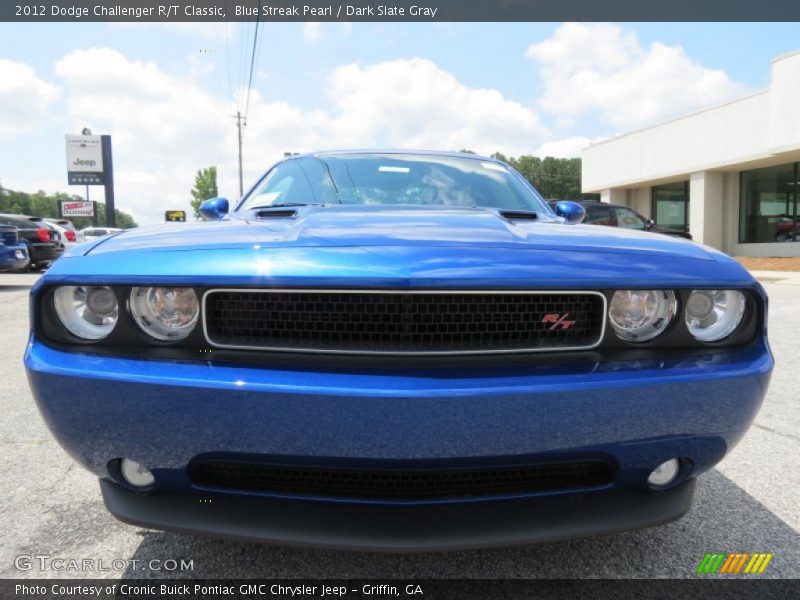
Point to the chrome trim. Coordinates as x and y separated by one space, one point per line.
404 291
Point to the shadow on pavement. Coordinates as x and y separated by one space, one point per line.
724 518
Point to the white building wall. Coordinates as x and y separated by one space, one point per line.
784 104
708 148
732 133
613 196
729 219
641 200
705 207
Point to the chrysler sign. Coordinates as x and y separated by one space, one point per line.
77 208
85 160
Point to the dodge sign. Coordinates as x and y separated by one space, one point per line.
77 208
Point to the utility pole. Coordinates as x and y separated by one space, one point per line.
239 118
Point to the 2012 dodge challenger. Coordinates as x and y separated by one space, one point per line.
399 351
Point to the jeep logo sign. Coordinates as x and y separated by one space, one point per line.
81 162
84 160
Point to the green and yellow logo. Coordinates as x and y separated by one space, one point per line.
741 563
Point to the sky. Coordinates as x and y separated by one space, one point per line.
166 93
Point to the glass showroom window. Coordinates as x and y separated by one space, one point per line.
769 205
671 205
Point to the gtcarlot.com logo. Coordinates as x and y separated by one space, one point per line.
740 563
45 562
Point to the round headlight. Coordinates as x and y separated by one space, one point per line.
712 315
165 313
641 315
89 312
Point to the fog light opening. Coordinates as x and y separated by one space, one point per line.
665 473
135 474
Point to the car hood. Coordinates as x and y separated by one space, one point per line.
346 226
418 248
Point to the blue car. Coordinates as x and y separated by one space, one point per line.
13 252
400 351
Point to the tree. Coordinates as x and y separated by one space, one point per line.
205 187
555 178
40 204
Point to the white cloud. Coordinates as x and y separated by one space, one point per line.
166 126
565 148
601 68
414 103
163 127
24 98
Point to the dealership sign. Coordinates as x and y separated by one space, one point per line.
77 208
85 160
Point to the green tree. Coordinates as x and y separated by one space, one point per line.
205 187
555 178
40 204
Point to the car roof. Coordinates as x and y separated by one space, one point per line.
406 152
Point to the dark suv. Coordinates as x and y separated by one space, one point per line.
43 242
614 215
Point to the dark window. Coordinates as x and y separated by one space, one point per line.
598 214
769 204
629 219
671 205
19 222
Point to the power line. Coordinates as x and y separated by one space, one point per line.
244 34
228 59
252 60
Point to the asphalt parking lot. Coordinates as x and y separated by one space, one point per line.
749 503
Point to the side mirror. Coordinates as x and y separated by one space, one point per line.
214 209
571 211
650 223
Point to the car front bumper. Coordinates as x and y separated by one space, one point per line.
636 413
400 528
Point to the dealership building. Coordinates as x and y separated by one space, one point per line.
728 174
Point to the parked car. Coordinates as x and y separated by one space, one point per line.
66 236
42 241
786 227
68 231
400 351
13 252
92 233
614 215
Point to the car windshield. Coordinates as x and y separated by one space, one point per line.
394 179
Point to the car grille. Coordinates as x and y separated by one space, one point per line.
388 322
400 484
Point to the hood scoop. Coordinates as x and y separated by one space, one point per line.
276 214
519 215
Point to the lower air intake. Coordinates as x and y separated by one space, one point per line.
400 484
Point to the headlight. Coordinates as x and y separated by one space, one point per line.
641 315
712 315
165 313
89 312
